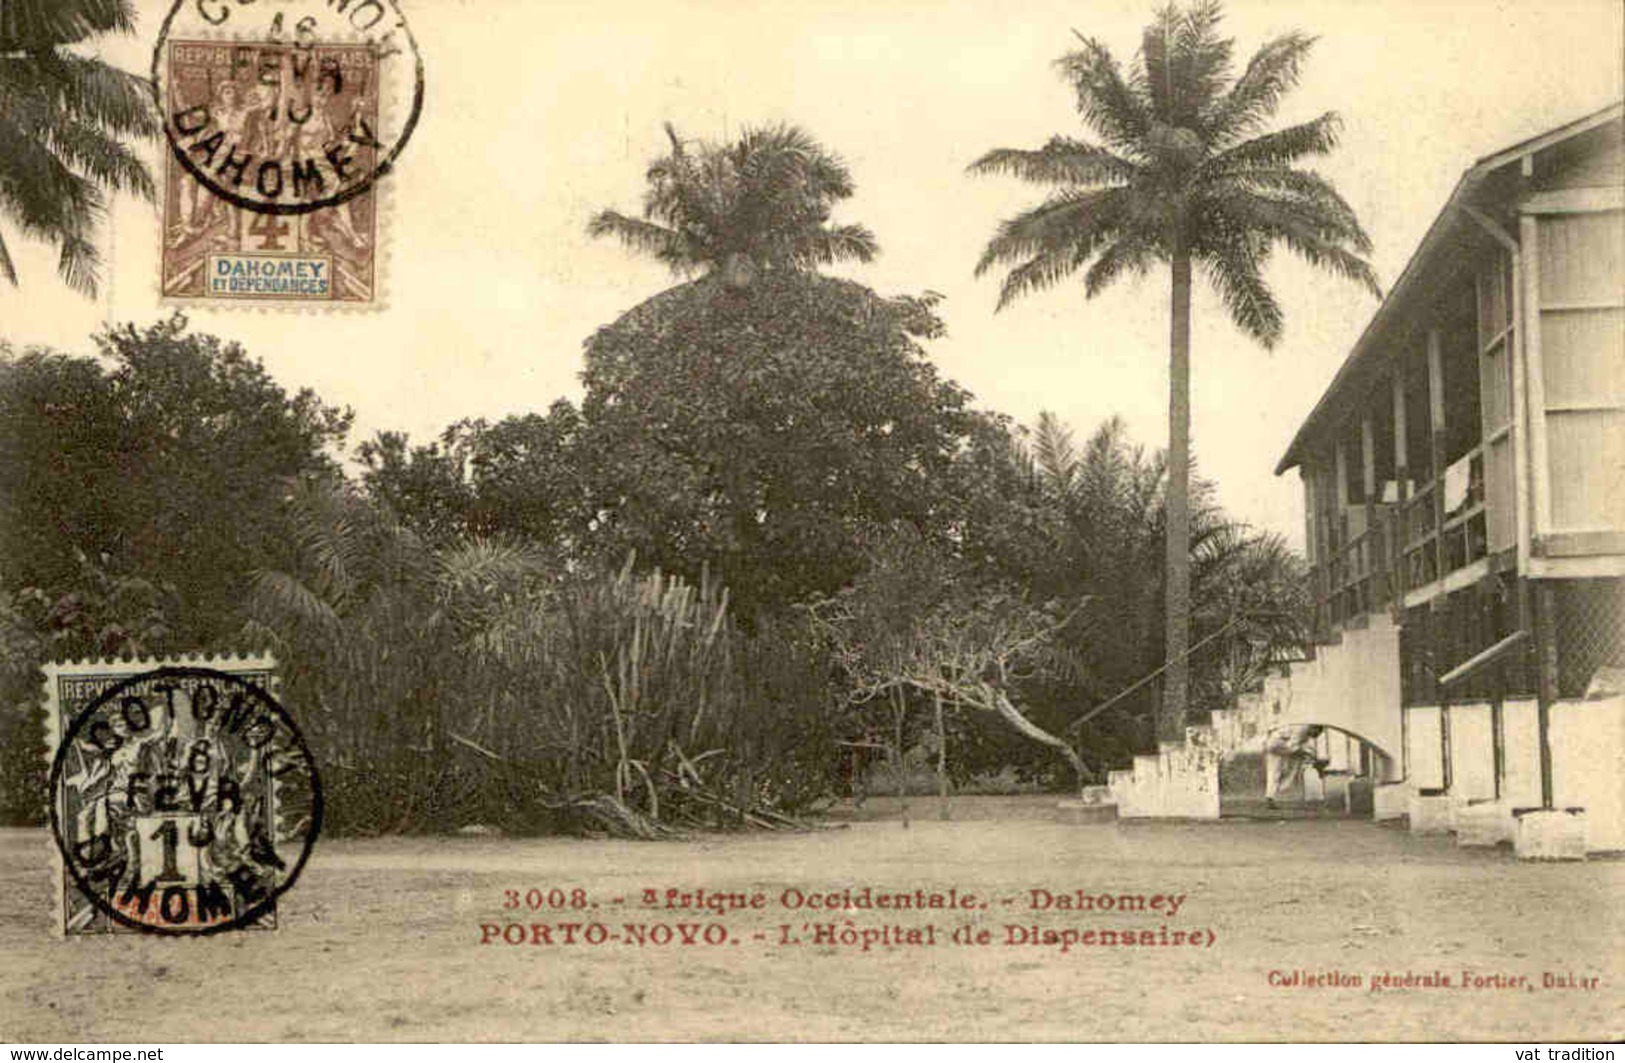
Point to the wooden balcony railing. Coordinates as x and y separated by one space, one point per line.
1405 547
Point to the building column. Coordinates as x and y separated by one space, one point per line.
1540 469
1546 687
1402 477
1373 562
1402 463
1436 438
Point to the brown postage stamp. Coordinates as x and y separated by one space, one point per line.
285 121
280 125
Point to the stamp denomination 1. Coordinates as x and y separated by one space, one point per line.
184 801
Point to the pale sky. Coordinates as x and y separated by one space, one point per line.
537 113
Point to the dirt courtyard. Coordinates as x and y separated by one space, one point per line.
382 940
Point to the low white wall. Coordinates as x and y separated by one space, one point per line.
1424 736
1472 752
1588 763
1179 781
1520 730
1391 800
1588 767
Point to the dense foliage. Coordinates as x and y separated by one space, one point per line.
755 431
770 535
472 682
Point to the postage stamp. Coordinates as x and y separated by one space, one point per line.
183 798
280 129
216 249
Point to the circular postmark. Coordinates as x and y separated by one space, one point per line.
184 801
287 108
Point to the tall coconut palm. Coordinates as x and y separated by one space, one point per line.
762 202
1184 174
64 123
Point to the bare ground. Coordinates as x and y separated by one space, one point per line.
380 940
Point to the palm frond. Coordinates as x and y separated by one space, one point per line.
1055 239
279 600
1310 191
783 156
89 89
1055 455
1039 273
1204 66
1106 102
31 25
662 243
1321 240
1272 72
332 538
38 191
1062 161
1184 64
78 261
1013 452
840 243
1067 221
1283 146
1127 254
1234 268
1154 76
485 567
62 117
96 155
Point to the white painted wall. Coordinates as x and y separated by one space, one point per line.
1520 781
1426 750
1472 752
1588 767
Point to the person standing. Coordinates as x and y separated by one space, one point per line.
1286 753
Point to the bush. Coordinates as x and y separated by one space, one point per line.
474 684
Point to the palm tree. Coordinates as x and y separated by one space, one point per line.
379 632
63 122
762 202
1186 175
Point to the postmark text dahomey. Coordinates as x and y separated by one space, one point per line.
291 124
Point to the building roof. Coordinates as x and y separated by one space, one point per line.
1413 285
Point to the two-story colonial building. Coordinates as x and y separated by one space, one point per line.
1464 495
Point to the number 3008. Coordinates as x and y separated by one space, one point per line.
537 898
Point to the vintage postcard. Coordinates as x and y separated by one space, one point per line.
1091 521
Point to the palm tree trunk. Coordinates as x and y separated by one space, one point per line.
1176 679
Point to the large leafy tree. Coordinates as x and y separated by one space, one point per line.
525 477
65 121
758 432
169 465
1185 174
762 202
753 421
